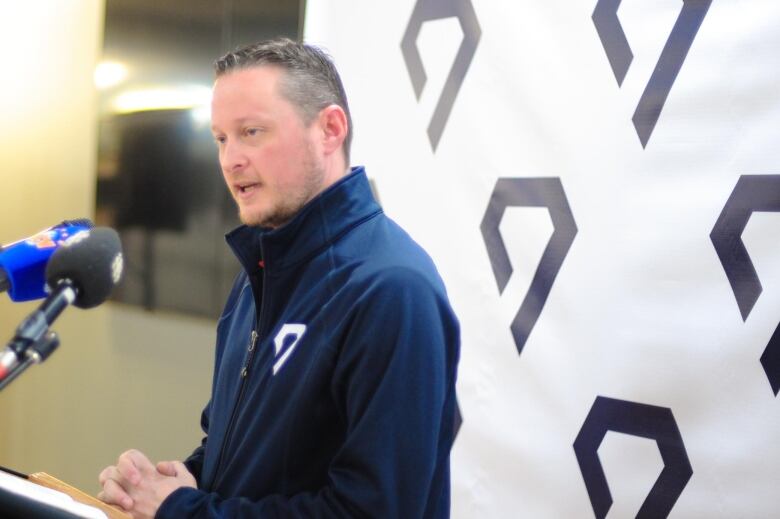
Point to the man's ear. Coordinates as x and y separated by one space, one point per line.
334 127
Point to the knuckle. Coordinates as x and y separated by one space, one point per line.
125 463
124 470
114 490
127 454
108 474
107 494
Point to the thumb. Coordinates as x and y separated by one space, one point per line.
167 468
184 475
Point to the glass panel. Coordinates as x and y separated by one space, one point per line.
159 182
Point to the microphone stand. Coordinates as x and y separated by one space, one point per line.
33 342
34 354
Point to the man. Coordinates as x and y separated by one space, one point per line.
334 383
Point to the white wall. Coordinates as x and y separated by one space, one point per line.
121 378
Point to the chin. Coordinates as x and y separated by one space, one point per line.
270 217
251 218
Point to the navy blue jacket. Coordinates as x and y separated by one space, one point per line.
334 382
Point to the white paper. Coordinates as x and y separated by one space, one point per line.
48 496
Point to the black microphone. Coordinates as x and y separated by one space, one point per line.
92 261
82 272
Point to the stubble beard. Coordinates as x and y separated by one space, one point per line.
290 203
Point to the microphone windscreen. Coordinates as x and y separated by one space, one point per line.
77 222
92 260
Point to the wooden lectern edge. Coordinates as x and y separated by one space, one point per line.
45 480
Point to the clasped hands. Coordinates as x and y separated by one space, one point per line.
138 486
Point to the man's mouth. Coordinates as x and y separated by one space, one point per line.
247 188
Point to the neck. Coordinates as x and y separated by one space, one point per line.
335 168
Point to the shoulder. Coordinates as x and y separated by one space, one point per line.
385 255
401 280
400 298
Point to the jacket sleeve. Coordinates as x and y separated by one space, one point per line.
194 461
395 382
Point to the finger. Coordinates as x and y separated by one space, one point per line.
184 475
106 474
111 473
180 468
167 468
139 459
127 471
114 494
133 465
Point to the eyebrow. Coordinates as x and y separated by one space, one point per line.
243 120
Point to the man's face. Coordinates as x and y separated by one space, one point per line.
268 157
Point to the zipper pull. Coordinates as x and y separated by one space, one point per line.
252 344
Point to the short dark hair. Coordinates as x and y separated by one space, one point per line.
311 81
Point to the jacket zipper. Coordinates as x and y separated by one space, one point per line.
244 376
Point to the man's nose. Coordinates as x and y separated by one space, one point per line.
233 157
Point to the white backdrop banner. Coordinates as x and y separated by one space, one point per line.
599 185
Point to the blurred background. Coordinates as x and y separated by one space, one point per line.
106 115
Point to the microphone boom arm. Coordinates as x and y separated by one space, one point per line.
35 354
33 342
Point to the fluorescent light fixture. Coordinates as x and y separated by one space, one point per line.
201 115
108 74
163 98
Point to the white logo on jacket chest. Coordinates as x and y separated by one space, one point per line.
285 342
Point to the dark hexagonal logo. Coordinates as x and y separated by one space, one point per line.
426 11
669 64
752 193
645 421
529 192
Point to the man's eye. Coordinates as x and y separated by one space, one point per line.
251 132
219 139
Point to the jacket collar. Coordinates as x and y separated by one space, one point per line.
319 223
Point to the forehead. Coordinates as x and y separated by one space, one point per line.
246 91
